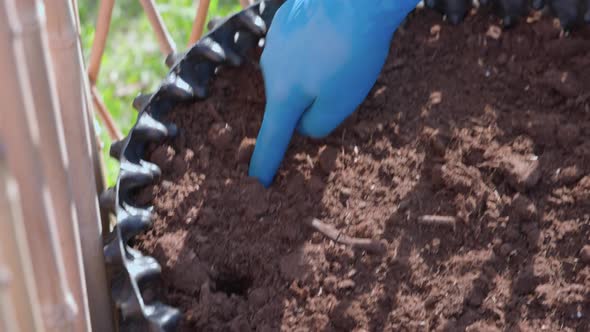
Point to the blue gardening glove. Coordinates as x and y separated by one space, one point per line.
321 59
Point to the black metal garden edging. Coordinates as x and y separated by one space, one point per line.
133 274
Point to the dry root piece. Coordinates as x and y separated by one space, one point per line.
434 220
369 245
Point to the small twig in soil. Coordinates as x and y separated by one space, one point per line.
433 220
369 245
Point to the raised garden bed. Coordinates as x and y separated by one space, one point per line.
469 161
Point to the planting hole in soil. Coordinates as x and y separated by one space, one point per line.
231 284
468 164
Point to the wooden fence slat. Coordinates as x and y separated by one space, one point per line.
19 306
66 54
36 156
21 138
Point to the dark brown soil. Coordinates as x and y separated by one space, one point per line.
491 130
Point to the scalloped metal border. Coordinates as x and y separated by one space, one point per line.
133 274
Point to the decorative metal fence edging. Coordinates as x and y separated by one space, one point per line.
133 273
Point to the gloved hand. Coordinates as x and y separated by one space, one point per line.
320 61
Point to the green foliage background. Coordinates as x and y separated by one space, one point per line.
132 62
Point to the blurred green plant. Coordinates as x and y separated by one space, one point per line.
132 61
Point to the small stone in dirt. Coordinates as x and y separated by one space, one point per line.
585 254
521 173
245 150
220 135
523 209
327 158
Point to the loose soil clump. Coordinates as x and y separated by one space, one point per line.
469 162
